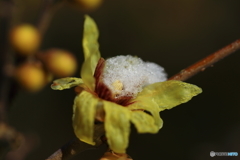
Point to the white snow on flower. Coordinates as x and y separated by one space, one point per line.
127 75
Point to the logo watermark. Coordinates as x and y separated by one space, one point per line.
213 154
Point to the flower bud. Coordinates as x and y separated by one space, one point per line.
87 5
31 76
60 63
25 39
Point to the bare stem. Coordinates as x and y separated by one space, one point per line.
76 146
48 10
206 62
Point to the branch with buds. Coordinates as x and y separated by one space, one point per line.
14 138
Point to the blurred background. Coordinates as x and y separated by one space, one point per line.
174 34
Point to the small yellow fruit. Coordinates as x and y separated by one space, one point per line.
88 4
25 39
60 63
31 76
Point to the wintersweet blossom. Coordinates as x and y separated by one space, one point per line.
120 91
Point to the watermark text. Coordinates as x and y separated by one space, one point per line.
213 154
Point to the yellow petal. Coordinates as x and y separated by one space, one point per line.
150 106
117 126
91 52
86 74
66 83
90 37
169 94
84 110
143 122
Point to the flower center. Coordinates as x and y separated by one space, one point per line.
121 78
127 75
117 86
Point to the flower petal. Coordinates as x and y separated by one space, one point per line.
90 36
143 122
150 106
66 83
84 110
169 94
91 52
117 126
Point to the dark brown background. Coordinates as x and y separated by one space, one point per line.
172 33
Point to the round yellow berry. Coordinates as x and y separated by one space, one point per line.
31 76
25 39
60 63
88 4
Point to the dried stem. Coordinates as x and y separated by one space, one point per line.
48 9
76 146
207 61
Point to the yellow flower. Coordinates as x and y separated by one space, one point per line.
96 100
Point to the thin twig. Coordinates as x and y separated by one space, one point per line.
76 146
48 10
206 62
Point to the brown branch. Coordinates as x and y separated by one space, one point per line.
76 146
49 8
206 62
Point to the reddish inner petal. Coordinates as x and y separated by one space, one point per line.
103 91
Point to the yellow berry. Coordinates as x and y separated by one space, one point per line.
25 39
31 76
60 63
88 4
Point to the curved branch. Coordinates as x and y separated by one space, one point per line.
206 62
